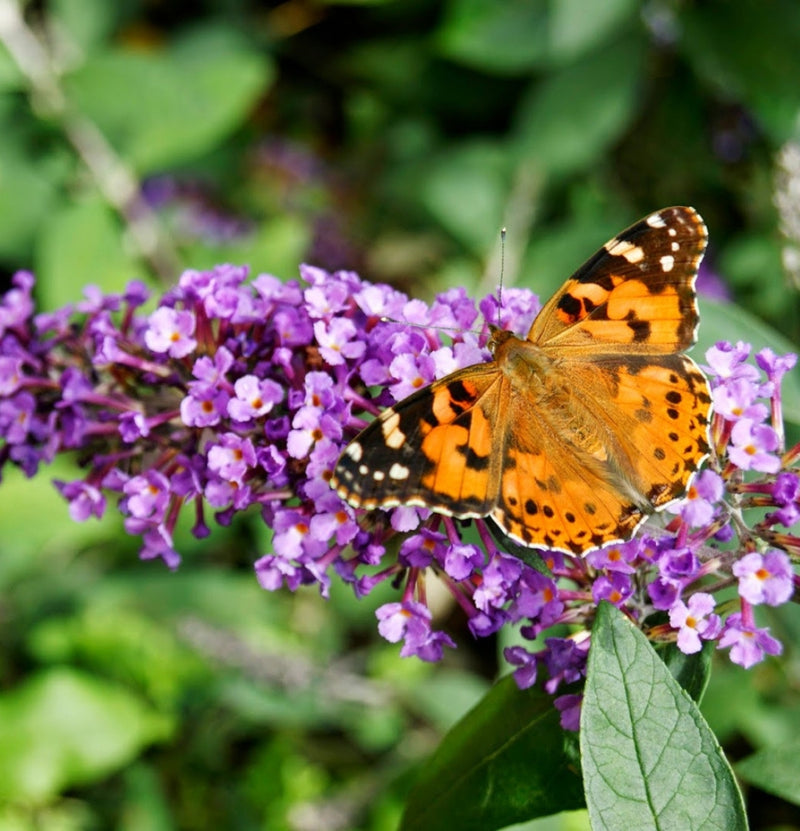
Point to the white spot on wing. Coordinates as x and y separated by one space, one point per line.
354 450
667 262
622 248
398 472
392 435
656 221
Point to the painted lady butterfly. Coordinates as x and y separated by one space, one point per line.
567 439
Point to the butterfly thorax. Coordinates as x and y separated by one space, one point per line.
528 367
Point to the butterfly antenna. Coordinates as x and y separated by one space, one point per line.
502 272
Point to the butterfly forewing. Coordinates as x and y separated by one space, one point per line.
433 449
636 294
568 439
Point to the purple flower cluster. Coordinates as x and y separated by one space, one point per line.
234 392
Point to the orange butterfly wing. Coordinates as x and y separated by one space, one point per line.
434 449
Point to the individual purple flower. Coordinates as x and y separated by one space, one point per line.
462 560
565 660
497 583
274 573
614 587
205 405
309 426
253 398
775 366
617 557
699 506
147 495
748 643
85 500
419 550
753 447
157 542
726 360
786 495
231 457
736 399
765 578
10 375
133 426
537 599
695 620
410 622
410 374
570 708
170 331
679 564
337 340
526 663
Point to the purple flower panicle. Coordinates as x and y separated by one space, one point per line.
239 394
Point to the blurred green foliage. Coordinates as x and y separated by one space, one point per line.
393 138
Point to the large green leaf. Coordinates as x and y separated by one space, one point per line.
753 58
506 761
528 34
466 191
81 244
570 119
649 759
161 109
63 728
775 770
27 190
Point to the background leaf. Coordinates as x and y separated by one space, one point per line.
506 761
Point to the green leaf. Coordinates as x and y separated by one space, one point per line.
649 759
163 109
775 770
578 25
725 321
86 22
692 672
63 728
571 119
466 191
496 37
81 244
752 58
513 37
21 175
506 761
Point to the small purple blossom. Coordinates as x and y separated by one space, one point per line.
694 621
170 331
699 507
753 447
748 643
765 578
253 398
410 622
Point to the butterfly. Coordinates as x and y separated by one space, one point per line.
570 438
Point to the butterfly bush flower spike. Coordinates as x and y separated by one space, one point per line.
236 394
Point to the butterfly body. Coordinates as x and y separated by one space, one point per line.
569 438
